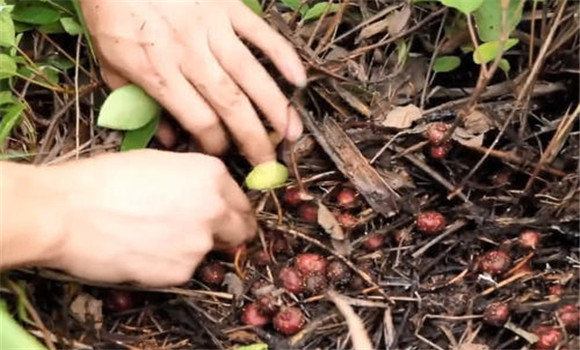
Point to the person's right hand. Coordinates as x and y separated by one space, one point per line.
145 216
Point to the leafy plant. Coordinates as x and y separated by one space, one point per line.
446 64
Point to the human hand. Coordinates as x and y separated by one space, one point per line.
146 216
187 55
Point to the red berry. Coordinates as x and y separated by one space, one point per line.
337 272
346 198
308 212
315 283
496 314
529 239
308 263
291 280
495 262
267 305
119 300
356 282
402 237
374 241
289 320
502 178
292 196
431 222
570 316
261 258
436 132
556 289
549 337
439 152
347 220
280 245
212 273
252 316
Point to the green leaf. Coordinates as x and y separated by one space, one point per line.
7 66
402 52
71 26
13 336
504 65
446 64
139 138
127 108
60 63
257 346
317 10
11 118
52 28
6 97
295 5
465 6
34 12
488 19
7 31
255 6
487 52
267 176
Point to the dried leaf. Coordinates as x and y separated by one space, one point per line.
356 328
328 222
234 283
398 20
373 29
87 308
402 117
467 139
477 122
342 247
472 346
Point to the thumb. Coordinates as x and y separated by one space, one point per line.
112 79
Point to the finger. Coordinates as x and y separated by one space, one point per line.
240 225
112 79
165 134
245 69
230 102
274 45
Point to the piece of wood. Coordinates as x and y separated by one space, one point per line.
351 162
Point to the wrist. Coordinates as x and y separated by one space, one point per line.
31 226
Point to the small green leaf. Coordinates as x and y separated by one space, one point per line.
7 66
127 108
465 6
52 28
317 10
7 31
402 52
6 97
487 52
257 346
71 26
446 64
255 6
504 65
488 19
34 12
11 118
295 5
139 138
13 336
60 63
266 176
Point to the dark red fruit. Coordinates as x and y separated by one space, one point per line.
402 237
119 300
496 314
439 152
356 282
525 268
431 222
346 220
252 316
308 263
289 320
212 273
231 253
315 283
557 289
529 239
292 196
267 305
280 245
436 132
495 262
502 178
291 280
346 198
261 258
337 272
570 316
549 337
374 241
308 212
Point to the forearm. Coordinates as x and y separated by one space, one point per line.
29 215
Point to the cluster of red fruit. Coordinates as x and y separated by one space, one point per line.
435 133
287 320
307 210
498 313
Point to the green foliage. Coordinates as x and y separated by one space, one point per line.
7 66
317 10
11 116
504 65
140 138
465 6
255 6
295 5
488 18
35 12
128 108
7 31
13 336
487 52
446 64
71 26
267 176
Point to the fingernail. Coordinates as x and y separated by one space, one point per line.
295 127
299 76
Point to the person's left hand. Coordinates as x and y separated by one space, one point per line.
188 56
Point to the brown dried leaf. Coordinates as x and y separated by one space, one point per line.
373 29
86 308
472 346
467 139
477 122
328 222
398 20
356 327
402 117
234 283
